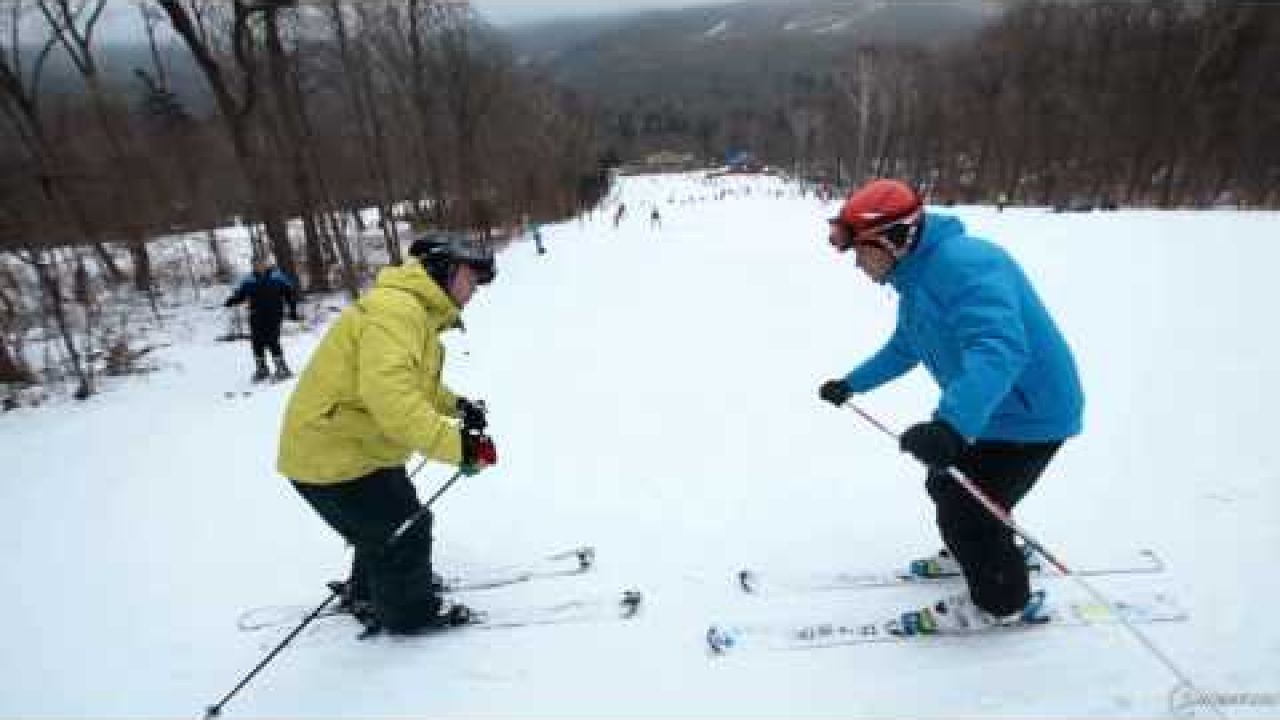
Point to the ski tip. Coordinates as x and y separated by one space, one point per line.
1156 562
586 556
631 601
720 639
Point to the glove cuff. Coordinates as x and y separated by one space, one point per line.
468 449
952 434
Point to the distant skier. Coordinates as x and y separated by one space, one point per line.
1002 202
534 230
617 217
372 395
1011 395
655 218
268 291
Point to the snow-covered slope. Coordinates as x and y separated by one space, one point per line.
653 392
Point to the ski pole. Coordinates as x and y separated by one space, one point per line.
426 507
1007 519
215 710
985 500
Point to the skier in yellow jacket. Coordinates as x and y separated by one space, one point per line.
370 396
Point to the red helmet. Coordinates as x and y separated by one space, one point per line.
877 206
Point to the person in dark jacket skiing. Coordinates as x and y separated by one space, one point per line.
1011 394
371 395
268 292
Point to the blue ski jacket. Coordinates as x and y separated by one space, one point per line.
968 312
268 293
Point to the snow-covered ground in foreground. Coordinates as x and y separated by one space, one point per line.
653 392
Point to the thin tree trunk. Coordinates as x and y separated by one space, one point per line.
236 116
288 123
51 291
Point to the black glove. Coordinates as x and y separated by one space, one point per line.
836 392
934 443
472 415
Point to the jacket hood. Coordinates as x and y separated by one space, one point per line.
411 278
936 229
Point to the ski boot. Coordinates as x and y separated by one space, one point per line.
282 370
262 373
940 564
350 598
944 564
455 614
957 614
353 602
1035 562
448 615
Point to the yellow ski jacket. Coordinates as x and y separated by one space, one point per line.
372 392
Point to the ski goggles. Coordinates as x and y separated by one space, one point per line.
844 238
889 237
840 235
486 270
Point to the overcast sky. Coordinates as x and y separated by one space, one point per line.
120 21
509 12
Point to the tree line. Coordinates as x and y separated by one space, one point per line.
316 109
1161 103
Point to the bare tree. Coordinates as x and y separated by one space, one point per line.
359 85
20 91
288 123
19 100
237 109
73 23
469 75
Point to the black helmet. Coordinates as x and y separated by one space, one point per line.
440 251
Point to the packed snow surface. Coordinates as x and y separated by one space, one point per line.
653 392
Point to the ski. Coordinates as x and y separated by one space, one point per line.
575 561
586 609
255 385
754 582
597 608
1148 608
570 562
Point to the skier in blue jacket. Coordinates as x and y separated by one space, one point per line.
268 292
1010 391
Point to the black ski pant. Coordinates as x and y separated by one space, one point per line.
993 564
264 335
394 578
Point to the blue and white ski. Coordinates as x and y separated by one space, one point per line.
1138 608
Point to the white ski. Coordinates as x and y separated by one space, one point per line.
758 582
1147 608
